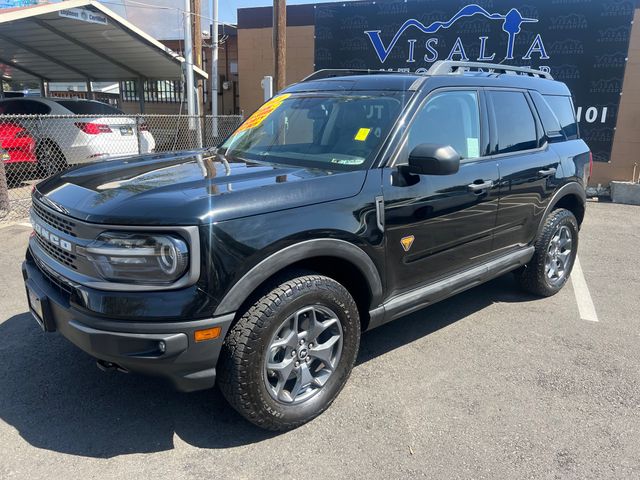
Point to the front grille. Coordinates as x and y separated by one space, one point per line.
57 253
55 280
54 220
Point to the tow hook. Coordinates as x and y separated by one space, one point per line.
108 366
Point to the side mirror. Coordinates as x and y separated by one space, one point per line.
433 159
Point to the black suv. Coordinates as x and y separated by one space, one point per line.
348 200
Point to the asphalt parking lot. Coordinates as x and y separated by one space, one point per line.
489 384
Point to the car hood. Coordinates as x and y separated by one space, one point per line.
176 189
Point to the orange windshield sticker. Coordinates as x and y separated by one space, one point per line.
263 112
362 134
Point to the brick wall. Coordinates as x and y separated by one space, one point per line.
256 60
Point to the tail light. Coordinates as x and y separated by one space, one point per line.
91 128
590 165
143 127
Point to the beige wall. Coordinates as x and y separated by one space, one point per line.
626 144
255 54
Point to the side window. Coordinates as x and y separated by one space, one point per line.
35 108
448 118
549 120
12 108
24 107
563 108
515 122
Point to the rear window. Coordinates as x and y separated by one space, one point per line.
23 107
515 122
89 108
563 108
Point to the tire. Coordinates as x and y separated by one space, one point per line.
266 336
51 160
555 252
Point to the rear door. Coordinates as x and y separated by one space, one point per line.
528 167
441 224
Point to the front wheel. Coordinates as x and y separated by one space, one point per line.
290 354
555 252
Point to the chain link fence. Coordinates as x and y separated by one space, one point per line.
34 147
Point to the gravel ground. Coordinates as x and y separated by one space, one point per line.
490 384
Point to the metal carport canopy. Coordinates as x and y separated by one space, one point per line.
80 40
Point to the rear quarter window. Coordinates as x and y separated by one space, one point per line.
550 122
89 108
563 109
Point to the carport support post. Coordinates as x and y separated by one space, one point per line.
141 94
90 95
43 88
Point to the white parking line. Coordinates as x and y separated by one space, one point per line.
583 297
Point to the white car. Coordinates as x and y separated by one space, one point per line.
72 131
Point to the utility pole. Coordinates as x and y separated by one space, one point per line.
214 65
188 65
280 42
196 9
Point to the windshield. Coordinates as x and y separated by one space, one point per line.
338 131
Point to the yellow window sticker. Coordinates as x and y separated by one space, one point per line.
263 112
362 134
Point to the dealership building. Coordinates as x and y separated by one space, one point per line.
592 45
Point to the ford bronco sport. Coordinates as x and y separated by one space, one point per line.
348 200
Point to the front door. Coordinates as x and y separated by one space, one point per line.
441 224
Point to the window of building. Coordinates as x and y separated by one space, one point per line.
155 91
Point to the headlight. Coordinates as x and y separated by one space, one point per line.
156 259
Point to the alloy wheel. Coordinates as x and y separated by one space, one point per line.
558 258
303 354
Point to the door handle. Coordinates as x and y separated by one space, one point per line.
548 172
477 187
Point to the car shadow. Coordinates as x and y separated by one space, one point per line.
54 396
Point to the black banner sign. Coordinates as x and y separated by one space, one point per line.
583 43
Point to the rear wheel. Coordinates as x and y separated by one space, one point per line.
51 160
290 354
555 253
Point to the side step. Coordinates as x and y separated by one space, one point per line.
409 302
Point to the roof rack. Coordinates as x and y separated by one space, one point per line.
444 67
330 73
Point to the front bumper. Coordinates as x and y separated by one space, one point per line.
164 349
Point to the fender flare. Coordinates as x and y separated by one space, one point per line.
324 247
572 188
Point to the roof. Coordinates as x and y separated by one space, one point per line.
79 40
394 81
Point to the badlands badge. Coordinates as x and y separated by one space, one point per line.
407 242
